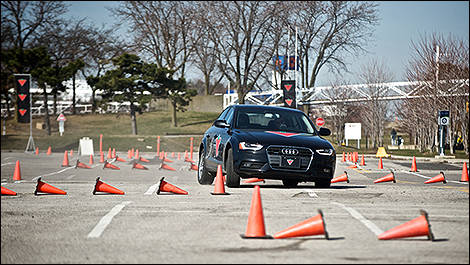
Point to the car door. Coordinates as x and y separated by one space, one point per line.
222 138
212 140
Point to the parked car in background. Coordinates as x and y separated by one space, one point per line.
266 142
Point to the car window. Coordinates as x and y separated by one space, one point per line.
229 116
274 120
223 114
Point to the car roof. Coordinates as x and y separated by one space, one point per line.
263 107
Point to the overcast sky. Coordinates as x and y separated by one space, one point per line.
400 23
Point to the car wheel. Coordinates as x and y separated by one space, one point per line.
204 177
290 183
325 183
233 179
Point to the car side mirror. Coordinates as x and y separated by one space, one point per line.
221 124
324 131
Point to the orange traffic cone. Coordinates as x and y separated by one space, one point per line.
353 166
344 157
6 191
37 151
167 167
114 153
438 178
363 162
386 178
109 165
166 159
381 165
101 157
138 166
310 227
81 165
120 159
103 187
193 167
255 227
17 173
413 165
179 156
129 154
143 160
46 188
49 151
219 188
65 162
189 160
417 227
343 177
137 154
71 152
253 180
167 187
91 160
464 177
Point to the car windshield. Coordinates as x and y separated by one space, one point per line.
273 120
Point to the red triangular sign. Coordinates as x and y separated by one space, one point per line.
22 81
288 87
286 134
22 111
289 101
290 161
22 96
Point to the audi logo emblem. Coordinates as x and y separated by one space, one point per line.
290 151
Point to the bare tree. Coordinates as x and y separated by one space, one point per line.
440 73
244 45
328 31
374 114
21 23
25 19
162 30
204 56
103 46
340 111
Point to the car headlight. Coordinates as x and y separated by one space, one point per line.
325 152
249 146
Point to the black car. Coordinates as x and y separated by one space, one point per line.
266 142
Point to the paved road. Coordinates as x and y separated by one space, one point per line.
142 227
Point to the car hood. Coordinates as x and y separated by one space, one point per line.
282 138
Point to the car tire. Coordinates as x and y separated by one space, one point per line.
325 183
232 178
204 177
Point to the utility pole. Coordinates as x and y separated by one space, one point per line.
441 126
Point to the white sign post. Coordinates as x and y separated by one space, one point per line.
353 131
85 146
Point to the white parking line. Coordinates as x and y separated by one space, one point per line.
152 189
106 220
53 173
419 175
9 163
371 226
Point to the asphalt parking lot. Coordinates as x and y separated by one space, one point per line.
143 227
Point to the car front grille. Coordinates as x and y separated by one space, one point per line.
275 156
